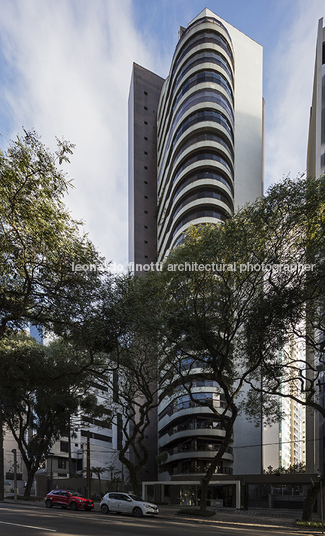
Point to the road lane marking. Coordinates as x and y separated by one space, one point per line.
27 526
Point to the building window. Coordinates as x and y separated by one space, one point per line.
115 386
62 463
119 431
64 446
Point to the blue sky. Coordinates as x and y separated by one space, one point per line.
65 68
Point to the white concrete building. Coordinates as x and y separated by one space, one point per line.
203 128
316 137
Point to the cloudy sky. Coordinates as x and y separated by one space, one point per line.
65 68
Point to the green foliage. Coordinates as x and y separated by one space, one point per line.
315 524
40 388
38 239
162 457
245 300
293 468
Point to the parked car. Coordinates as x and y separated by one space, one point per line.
67 498
127 503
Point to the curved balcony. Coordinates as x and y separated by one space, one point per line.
200 472
213 433
195 454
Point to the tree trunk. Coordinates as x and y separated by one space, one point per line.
135 482
307 513
133 470
29 484
204 497
206 479
210 472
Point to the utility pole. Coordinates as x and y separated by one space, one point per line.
15 474
2 476
69 448
88 466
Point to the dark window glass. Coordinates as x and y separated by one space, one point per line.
64 446
203 175
199 78
202 95
207 56
200 195
206 36
62 463
202 155
199 214
119 431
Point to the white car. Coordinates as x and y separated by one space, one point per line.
127 503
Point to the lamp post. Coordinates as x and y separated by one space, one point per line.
50 483
15 474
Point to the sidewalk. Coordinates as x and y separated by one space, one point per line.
282 519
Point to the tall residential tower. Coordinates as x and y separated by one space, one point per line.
316 138
195 155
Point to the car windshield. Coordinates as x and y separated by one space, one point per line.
135 498
75 493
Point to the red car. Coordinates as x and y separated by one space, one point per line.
68 499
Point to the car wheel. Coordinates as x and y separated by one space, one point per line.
48 503
137 512
104 508
73 506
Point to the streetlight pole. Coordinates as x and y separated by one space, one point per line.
15 474
321 504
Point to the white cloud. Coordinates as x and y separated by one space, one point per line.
289 89
68 73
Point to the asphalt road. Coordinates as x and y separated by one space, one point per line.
21 520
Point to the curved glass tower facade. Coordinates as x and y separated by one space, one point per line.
195 133
195 185
202 128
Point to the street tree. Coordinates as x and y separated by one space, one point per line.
126 333
235 293
292 300
98 471
204 314
40 388
39 241
40 244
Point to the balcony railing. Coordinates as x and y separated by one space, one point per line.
199 448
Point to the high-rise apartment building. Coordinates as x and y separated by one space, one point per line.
315 168
195 155
316 137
